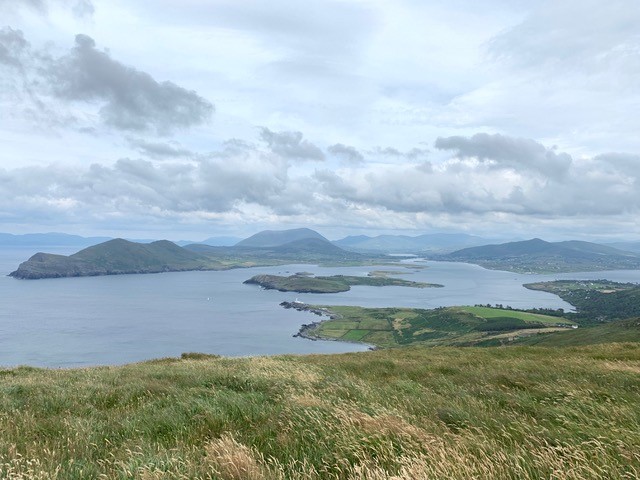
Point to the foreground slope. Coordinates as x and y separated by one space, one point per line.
627 330
407 414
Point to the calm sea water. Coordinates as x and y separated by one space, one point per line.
73 322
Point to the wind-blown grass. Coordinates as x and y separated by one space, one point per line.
413 413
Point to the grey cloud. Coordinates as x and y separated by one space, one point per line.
331 29
351 154
291 145
335 185
80 8
134 187
234 147
572 34
508 152
462 188
159 150
413 154
12 46
390 151
241 179
84 8
133 99
39 5
624 162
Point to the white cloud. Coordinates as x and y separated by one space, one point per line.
365 114
243 179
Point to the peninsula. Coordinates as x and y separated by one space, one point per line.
539 256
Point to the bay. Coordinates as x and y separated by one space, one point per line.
75 322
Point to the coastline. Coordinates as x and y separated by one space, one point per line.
308 330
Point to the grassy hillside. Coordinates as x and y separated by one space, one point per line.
595 300
114 257
414 413
617 331
546 257
462 326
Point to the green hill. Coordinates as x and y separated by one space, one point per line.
406 414
595 300
539 256
114 257
617 331
121 256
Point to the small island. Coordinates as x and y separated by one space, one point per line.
332 284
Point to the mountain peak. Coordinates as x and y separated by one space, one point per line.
276 238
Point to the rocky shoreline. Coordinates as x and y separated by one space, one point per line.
307 330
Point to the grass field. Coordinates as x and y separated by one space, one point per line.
464 326
412 413
617 331
489 312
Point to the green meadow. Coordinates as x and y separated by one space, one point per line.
451 326
410 413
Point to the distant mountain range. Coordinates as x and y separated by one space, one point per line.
627 246
66 240
536 255
224 241
120 256
49 239
278 247
430 243
304 245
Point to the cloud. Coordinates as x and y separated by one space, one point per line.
80 8
507 152
132 100
346 152
245 181
413 154
86 85
291 145
159 150
39 5
83 8
572 34
12 47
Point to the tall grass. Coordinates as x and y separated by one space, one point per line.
409 413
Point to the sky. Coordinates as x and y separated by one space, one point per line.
191 119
